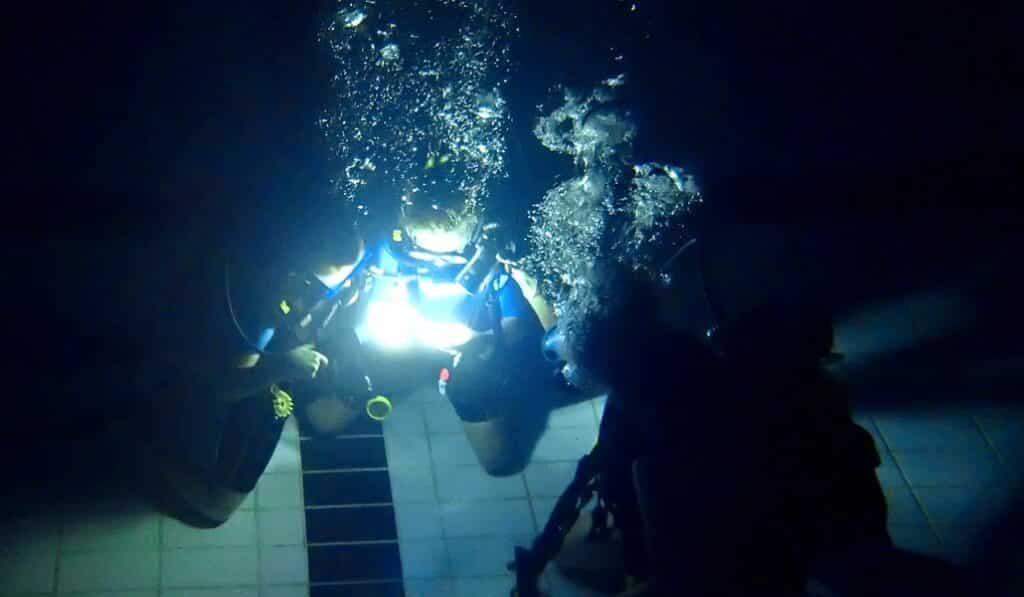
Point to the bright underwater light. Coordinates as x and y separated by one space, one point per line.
393 322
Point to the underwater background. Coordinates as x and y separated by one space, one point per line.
857 154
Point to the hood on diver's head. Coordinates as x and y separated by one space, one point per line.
440 227
628 341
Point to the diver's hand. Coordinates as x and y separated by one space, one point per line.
302 362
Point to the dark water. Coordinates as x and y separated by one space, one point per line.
851 153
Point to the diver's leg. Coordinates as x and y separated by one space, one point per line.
494 443
179 459
331 415
503 441
256 431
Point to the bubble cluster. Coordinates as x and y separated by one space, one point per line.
612 211
418 112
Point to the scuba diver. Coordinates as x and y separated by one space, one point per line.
444 286
220 409
728 464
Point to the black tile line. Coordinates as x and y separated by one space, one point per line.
312 444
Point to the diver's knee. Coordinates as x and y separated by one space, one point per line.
503 467
330 415
497 450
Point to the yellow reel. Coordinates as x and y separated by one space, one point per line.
283 403
378 408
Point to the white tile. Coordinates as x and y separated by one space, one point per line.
284 565
425 395
950 469
542 509
285 591
407 451
998 414
451 448
599 404
960 543
904 507
559 585
441 418
967 506
29 534
424 558
548 479
889 475
868 423
239 530
249 503
212 566
580 414
487 586
285 458
1008 439
487 518
291 428
28 572
108 570
917 538
282 527
568 444
463 483
429 587
405 419
418 520
219 592
412 484
279 490
944 432
86 531
484 556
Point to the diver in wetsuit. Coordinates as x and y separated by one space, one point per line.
221 404
749 475
497 380
440 283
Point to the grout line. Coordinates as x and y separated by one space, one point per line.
57 554
593 409
906 483
329 438
437 498
160 555
365 542
988 441
324 471
259 549
346 583
529 500
340 506
302 502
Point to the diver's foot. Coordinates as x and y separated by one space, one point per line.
187 495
